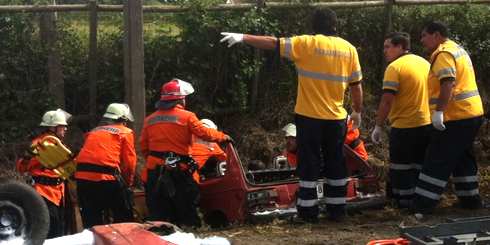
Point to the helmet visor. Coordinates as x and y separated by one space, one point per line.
129 116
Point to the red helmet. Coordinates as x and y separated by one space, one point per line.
175 89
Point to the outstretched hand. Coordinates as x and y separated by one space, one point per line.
231 38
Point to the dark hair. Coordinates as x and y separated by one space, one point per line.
168 104
108 121
400 38
324 22
436 26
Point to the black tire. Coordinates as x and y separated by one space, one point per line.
27 211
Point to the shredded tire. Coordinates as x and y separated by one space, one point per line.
32 220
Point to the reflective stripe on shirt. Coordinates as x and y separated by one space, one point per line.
329 77
460 96
391 84
163 119
108 129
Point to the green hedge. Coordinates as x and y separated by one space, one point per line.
186 45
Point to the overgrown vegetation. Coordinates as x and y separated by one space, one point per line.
186 45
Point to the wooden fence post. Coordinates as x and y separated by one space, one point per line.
134 76
254 89
48 35
92 62
389 16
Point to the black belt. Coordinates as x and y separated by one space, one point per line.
89 167
43 180
165 154
181 159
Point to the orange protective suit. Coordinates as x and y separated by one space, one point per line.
109 146
171 131
53 193
352 139
203 150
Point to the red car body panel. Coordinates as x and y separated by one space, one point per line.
227 194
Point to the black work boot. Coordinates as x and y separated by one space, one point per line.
471 203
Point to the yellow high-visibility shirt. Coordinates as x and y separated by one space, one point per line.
326 65
451 61
407 77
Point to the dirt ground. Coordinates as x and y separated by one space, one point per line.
358 228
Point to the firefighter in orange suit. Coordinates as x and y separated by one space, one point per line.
208 154
352 139
291 147
105 168
45 181
166 141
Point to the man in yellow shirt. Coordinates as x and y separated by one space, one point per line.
327 65
456 112
405 102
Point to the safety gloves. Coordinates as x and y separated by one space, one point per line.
356 119
438 120
231 38
376 134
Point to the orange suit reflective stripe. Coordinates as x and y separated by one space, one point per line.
109 146
53 193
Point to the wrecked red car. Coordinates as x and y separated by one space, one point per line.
240 195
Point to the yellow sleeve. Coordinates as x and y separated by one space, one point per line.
356 73
391 80
292 47
444 66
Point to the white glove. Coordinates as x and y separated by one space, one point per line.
355 117
438 120
232 38
376 134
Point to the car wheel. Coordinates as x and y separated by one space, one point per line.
23 213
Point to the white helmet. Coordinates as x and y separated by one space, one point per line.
290 130
119 111
209 124
55 118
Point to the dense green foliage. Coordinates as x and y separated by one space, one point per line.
186 45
